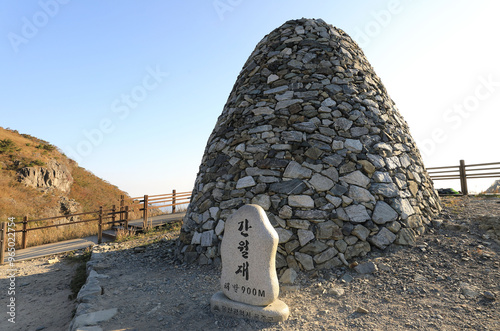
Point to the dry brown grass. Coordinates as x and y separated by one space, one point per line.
454 204
28 151
68 230
124 234
65 231
91 191
51 235
181 208
18 200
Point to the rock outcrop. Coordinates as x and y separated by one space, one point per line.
310 134
494 188
68 207
55 175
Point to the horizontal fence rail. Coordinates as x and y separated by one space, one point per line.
120 214
465 171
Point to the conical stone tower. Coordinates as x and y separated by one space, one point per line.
310 134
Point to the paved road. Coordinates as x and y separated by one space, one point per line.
71 245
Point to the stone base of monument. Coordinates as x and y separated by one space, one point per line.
275 312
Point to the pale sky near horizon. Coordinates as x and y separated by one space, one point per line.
69 69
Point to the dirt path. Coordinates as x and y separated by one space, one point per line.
449 281
41 295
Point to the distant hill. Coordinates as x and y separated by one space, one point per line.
494 188
38 180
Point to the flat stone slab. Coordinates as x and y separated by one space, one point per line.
91 319
275 312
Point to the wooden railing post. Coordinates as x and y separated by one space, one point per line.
99 225
113 215
145 213
122 204
173 201
3 239
126 218
25 231
463 178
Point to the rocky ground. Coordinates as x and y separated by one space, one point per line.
449 281
41 294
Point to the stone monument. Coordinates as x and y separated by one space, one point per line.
311 135
249 281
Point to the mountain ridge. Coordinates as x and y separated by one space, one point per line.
494 188
37 180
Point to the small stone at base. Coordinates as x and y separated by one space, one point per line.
275 312
489 295
362 310
346 278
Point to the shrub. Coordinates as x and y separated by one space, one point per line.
8 146
47 147
36 163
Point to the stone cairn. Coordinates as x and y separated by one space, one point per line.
310 134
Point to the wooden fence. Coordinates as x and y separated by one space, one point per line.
465 171
116 214
120 214
161 201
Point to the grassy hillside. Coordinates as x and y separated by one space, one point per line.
17 200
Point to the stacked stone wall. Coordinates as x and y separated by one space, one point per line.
310 134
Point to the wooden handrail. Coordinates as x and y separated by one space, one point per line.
56 217
163 206
442 172
56 225
492 175
464 171
434 168
446 176
164 195
482 164
150 201
484 169
104 214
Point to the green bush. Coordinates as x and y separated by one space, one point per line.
8 146
36 163
23 163
47 147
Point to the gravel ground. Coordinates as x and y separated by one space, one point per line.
41 294
449 281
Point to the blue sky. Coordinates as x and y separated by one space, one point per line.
132 89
